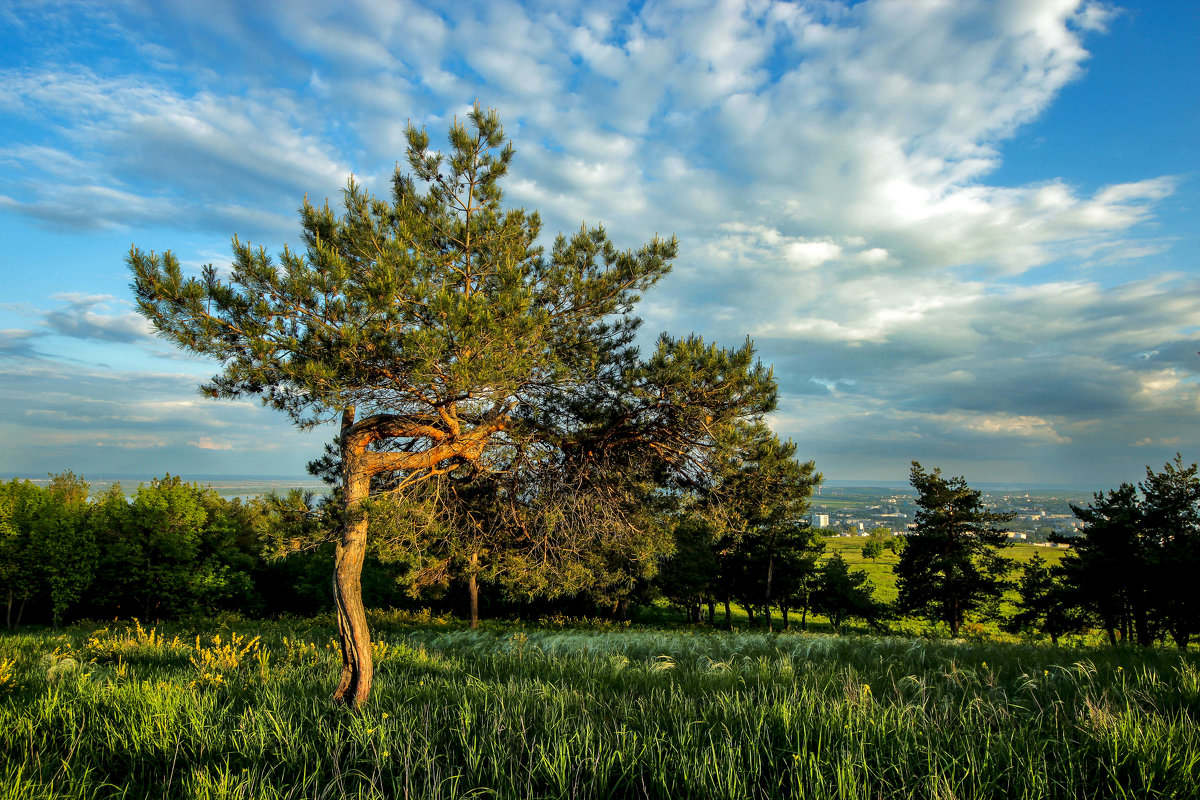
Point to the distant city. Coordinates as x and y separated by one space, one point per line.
857 510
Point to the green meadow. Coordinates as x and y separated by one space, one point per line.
231 709
883 578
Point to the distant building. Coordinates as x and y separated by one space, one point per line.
820 520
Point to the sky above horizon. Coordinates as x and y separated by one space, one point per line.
963 232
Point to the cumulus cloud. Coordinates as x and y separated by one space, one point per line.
829 167
84 317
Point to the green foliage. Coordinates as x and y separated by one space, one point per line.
1135 564
951 564
689 577
762 545
460 354
64 543
872 548
19 574
1045 603
47 545
843 593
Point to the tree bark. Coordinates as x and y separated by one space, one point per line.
357 665
712 612
359 464
767 594
473 588
728 615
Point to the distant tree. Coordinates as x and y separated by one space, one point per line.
446 342
64 543
1108 567
1044 603
797 573
951 564
896 544
19 573
873 547
1137 555
843 593
689 577
1171 530
769 495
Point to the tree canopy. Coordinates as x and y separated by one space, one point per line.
1135 564
446 341
951 564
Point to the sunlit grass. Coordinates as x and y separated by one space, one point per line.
589 711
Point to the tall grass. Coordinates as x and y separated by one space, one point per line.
597 712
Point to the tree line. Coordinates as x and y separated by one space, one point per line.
171 550
176 550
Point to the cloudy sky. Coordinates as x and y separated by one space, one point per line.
963 232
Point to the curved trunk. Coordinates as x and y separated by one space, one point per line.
357 666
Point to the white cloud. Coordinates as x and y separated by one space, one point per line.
830 169
207 443
83 318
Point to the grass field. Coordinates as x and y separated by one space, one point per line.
597 711
880 570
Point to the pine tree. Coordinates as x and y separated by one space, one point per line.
443 339
842 593
952 563
1171 524
768 495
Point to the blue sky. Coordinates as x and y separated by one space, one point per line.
963 232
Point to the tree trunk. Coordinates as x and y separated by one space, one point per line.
1142 629
712 612
804 619
8 615
357 665
728 615
767 594
786 624
21 610
473 589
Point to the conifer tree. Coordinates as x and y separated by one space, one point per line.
843 593
767 493
443 340
952 563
